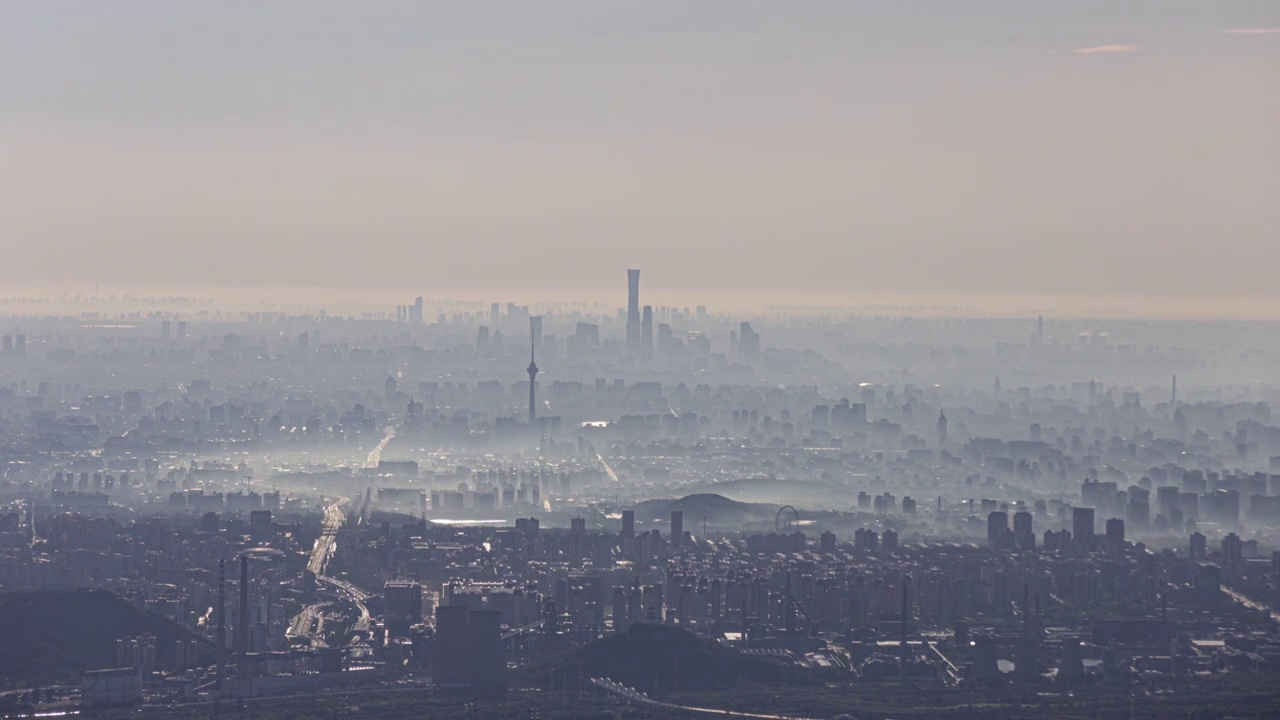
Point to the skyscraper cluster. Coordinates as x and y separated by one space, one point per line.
410 313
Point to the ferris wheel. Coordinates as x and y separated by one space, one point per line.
787 519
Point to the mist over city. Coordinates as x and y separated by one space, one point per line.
569 359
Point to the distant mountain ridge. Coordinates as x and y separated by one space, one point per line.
718 510
805 494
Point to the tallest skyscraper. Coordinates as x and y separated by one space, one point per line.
633 311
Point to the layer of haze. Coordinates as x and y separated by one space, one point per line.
1083 147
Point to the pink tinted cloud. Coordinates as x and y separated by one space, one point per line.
1106 49
1254 31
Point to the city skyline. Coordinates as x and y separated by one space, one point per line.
575 360
202 505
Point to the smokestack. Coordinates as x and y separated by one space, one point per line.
242 625
906 614
906 608
1026 606
222 615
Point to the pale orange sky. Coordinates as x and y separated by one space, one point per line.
983 148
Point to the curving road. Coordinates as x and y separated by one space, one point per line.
355 595
310 622
375 455
327 543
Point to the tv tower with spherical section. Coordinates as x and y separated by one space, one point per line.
533 374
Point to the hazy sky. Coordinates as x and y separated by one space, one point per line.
1021 146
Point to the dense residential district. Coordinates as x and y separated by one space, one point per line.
577 510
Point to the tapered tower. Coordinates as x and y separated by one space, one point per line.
633 312
533 374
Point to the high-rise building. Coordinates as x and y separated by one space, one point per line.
1232 549
677 527
586 336
1082 527
1115 534
748 342
488 671
449 652
1167 497
535 331
260 525
633 311
646 332
1024 535
997 529
628 524
402 603
665 338
1022 522
1199 546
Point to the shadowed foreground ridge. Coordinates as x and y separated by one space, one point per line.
661 659
49 636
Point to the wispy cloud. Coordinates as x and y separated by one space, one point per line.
1106 49
1254 31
